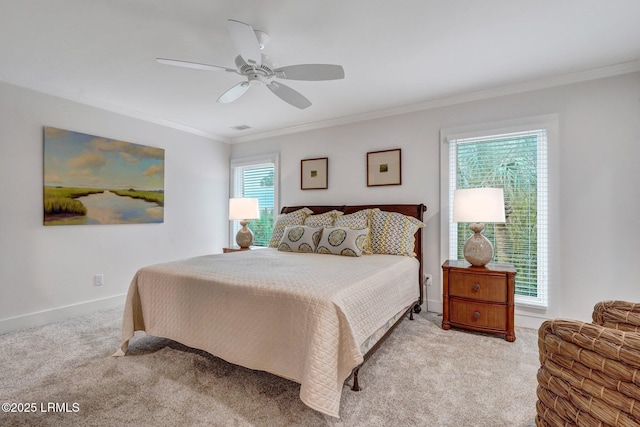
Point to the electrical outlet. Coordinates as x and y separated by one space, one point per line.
98 280
428 279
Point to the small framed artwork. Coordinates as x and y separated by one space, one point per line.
384 168
314 173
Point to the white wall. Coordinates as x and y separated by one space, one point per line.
593 239
47 273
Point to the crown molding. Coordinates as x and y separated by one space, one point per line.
510 89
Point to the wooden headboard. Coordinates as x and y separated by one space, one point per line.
416 211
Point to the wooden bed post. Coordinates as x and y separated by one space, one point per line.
356 385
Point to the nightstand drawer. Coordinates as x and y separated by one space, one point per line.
478 314
477 287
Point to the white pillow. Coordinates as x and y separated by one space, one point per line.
359 219
343 241
300 238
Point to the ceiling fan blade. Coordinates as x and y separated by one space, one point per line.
289 95
240 63
195 65
246 41
310 72
233 93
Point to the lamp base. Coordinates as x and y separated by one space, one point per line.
244 238
478 250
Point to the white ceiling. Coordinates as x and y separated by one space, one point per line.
397 55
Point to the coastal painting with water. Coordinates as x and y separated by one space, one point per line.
94 180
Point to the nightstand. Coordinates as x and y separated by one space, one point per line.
234 249
479 298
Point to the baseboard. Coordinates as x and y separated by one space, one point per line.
531 322
433 306
48 316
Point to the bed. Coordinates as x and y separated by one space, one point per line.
311 318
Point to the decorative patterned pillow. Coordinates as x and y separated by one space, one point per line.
292 218
359 219
300 238
342 241
322 220
393 233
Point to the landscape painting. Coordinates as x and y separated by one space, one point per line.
94 180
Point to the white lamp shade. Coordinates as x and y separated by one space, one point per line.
244 208
478 205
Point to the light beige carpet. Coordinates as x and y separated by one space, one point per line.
421 376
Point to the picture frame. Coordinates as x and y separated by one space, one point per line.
384 167
94 180
314 173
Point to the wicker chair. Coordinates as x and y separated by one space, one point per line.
590 372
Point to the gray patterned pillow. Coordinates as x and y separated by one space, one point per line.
393 233
300 238
292 218
322 220
342 241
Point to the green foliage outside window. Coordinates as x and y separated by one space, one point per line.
262 227
510 164
258 181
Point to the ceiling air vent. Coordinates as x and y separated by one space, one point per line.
241 127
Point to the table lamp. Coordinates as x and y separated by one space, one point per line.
478 205
244 209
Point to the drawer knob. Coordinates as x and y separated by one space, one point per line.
476 287
476 315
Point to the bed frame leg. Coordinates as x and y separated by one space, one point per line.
356 385
416 309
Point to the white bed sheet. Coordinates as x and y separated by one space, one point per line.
299 316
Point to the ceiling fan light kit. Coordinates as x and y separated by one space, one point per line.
258 69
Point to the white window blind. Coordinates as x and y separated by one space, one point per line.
256 179
517 163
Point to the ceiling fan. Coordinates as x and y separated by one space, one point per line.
259 69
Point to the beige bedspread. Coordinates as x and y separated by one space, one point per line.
299 316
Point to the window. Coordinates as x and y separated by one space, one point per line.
515 161
256 177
